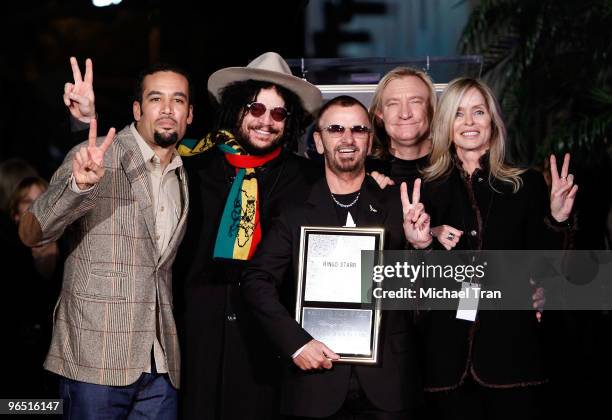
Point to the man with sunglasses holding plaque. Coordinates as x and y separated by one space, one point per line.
314 384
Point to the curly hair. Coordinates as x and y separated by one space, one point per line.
235 97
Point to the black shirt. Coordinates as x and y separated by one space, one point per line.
399 170
345 199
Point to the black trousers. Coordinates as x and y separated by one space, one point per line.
358 407
472 401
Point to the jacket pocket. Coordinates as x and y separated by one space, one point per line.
104 286
107 273
100 298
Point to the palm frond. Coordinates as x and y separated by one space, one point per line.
549 62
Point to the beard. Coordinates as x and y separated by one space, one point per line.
252 149
165 140
344 165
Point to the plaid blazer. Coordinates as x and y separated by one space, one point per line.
116 284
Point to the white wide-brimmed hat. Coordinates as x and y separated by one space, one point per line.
268 67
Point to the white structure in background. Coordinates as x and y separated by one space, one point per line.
103 3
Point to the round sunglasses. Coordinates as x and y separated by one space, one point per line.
278 114
337 130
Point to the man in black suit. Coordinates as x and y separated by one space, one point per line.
313 385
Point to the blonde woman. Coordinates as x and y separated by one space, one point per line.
489 368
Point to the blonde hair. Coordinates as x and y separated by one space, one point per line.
380 147
441 161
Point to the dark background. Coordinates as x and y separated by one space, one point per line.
549 62
201 37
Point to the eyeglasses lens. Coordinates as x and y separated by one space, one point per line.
257 109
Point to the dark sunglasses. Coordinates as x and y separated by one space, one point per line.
337 130
257 109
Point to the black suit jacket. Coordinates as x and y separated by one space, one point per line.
392 385
501 349
227 369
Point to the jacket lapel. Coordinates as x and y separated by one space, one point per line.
371 209
324 213
177 235
134 167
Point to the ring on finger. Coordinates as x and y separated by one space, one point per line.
450 236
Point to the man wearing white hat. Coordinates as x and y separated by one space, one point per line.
239 177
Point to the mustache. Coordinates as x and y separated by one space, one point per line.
165 118
347 146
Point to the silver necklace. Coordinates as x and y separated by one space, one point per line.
346 206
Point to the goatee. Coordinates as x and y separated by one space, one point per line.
338 165
165 140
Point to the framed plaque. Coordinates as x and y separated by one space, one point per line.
334 301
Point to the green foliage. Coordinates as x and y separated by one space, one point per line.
550 63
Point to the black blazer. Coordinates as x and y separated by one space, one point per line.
392 385
227 372
500 349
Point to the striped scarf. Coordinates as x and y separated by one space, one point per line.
239 230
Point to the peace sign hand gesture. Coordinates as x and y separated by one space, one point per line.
416 221
88 162
563 191
79 96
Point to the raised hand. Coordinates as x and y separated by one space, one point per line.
79 96
88 162
315 355
381 180
416 221
563 191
